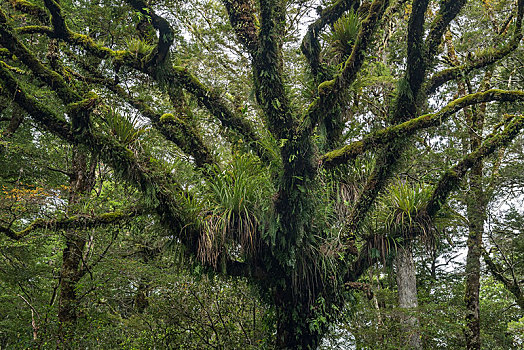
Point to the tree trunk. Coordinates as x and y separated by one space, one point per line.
69 277
476 213
81 182
294 330
407 295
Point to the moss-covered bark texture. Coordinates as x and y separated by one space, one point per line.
301 268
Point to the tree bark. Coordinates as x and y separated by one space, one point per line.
293 321
476 213
81 182
407 295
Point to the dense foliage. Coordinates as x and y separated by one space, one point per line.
273 173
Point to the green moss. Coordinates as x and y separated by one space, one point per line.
35 224
30 8
326 87
168 118
110 217
84 105
338 153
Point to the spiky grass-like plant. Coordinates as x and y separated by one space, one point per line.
401 209
239 196
400 216
123 126
342 36
139 47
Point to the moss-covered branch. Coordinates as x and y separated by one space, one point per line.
449 9
310 45
173 128
215 104
331 91
416 64
406 129
12 89
50 77
31 9
421 54
452 178
242 18
77 221
268 68
165 33
57 19
35 30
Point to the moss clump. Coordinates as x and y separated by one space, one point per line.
326 87
110 217
86 104
168 118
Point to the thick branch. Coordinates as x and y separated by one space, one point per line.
406 129
269 83
242 18
31 9
36 109
331 91
173 128
57 20
217 107
310 45
165 33
449 9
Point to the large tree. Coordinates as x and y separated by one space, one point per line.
287 158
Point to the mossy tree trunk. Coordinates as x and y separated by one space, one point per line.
476 214
476 202
81 183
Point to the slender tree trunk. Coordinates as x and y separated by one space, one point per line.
476 213
81 182
407 295
476 210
